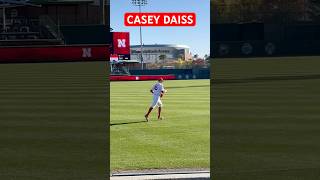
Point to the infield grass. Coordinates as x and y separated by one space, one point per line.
266 118
181 140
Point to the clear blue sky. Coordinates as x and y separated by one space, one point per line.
198 37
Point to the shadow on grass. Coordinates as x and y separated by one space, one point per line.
126 123
265 79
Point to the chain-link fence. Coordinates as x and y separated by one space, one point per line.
265 11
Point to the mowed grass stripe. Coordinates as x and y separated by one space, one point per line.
266 129
160 144
53 121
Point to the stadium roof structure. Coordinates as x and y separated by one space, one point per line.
160 45
15 3
61 1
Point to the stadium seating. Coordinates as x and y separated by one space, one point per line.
22 31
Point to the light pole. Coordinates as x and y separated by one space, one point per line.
140 3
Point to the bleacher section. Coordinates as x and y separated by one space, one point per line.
49 23
19 30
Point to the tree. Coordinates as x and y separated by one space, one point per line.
207 59
196 56
235 11
269 11
162 58
181 57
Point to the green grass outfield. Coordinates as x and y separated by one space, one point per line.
53 121
266 118
181 140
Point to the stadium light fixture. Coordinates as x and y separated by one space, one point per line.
140 3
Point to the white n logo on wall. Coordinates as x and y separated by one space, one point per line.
121 43
86 53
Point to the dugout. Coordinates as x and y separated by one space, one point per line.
121 67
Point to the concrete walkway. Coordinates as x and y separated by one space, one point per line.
200 175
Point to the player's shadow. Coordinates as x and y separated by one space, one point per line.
126 123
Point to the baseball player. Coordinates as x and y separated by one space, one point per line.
157 92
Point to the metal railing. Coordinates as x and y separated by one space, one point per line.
51 26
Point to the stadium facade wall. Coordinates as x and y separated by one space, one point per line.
152 52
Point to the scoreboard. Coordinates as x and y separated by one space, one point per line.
120 46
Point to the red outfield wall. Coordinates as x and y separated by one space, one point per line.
54 53
141 78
